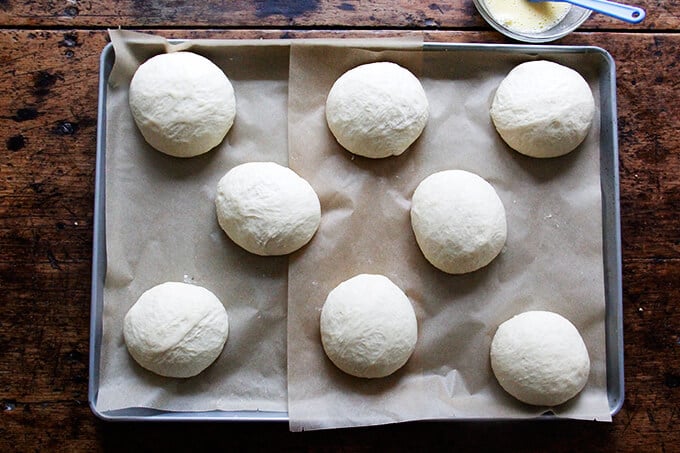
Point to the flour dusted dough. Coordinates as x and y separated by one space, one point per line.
539 358
182 103
377 110
368 326
458 220
176 329
267 209
543 109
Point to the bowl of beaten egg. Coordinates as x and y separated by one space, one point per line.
533 22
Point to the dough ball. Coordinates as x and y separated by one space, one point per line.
368 326
377 110
175 329
182 103
539 358
543 109
458 221
267 209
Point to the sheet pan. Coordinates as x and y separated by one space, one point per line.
610 222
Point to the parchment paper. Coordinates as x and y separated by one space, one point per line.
552 259
161 226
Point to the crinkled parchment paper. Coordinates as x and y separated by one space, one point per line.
552 259
161 226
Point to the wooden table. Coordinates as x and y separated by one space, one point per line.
48 111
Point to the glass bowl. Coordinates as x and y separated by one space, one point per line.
574 18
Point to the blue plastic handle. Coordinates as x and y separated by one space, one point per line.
630 14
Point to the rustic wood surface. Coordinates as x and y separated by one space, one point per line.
49 55
393 14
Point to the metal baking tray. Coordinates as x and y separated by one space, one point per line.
609 168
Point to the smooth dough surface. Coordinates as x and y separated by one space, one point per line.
176 329
458 220
377 110
368 326
540 358
543 109
182 103
266 208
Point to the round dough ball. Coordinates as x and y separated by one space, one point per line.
543 109
182 103
176 329
377 110
267 209
368 326
458 221
539 358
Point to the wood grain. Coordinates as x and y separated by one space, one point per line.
48 99
286 14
